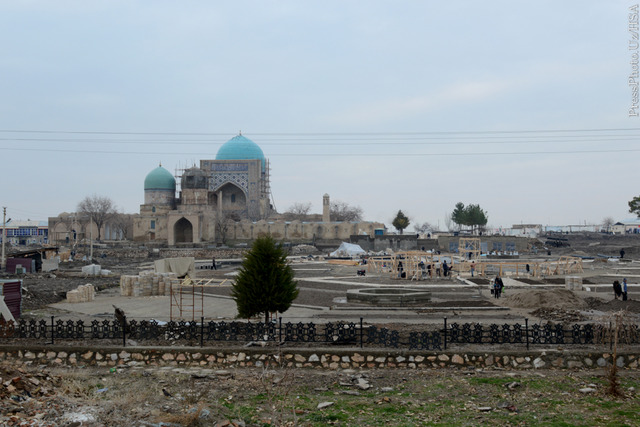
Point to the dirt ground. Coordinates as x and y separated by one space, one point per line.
153 396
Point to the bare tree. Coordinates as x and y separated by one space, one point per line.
120 222
448 221
342 211
98 209
423 228
607 223
223 223
616 329
298 211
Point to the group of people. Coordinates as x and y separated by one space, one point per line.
620 291
443 268
497 286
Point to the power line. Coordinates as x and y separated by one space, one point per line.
365 141
156 153
22 211
323 133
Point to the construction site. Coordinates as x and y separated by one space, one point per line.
395 294
187 287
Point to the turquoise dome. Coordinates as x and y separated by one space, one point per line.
160 179
240 148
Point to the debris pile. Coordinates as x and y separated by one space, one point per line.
303 250
557 299
559 315
631 306
147 284
23 394
84 293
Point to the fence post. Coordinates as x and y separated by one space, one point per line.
202 331
526 331
361 333
124 331
280 329
610 340
445 333
52 330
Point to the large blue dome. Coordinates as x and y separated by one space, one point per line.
160 179
240 148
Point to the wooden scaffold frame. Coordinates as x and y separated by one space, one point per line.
564 265
187 298
469 248
415 264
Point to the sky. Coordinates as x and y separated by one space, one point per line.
520 107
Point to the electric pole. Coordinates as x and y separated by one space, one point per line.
4 236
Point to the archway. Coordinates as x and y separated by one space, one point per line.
183 231
233 200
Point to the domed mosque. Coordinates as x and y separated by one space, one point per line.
225 198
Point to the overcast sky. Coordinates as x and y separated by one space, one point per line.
520 107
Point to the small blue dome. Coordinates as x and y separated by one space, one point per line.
160 179
240 148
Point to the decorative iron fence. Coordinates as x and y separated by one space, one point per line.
338 333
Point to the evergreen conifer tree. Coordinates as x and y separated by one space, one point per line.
401 221
265 281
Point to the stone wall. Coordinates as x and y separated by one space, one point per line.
410 242
397 242
315 358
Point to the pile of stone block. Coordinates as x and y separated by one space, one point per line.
91 270
84 293
573 283
147 284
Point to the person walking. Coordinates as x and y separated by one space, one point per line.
213 263
473 268
498 286
624 289
617 289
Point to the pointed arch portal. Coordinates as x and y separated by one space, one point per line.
183 231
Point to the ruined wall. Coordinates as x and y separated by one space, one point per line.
299 231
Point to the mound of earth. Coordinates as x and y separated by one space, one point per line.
616 305
556 298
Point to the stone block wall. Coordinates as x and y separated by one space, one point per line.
315 358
